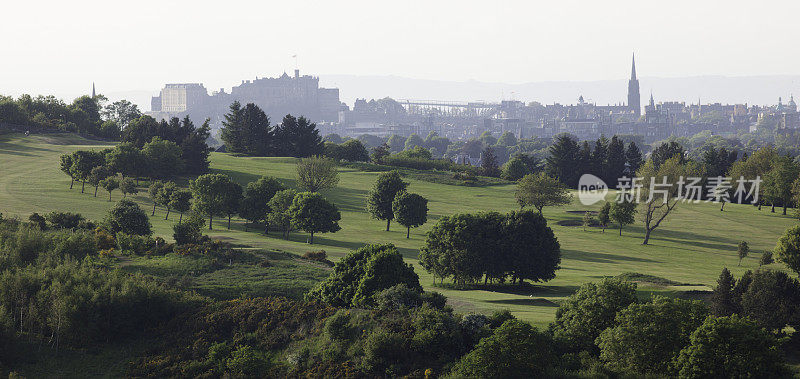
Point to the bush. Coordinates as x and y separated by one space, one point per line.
64 220
337 326
248 362
135 245
361 274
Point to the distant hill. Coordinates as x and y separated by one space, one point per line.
709 89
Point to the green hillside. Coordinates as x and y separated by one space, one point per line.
688 250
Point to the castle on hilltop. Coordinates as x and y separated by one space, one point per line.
297 95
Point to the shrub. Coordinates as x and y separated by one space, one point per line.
337 326
64 220
135 245
248 362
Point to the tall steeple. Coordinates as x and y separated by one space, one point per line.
634 99
93 93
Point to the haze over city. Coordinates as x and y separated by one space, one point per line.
413 49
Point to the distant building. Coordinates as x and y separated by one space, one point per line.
633 91
297 95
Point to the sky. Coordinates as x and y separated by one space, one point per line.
61 47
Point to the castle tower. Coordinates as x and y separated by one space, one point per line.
633 91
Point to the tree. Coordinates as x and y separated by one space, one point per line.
514 350
312 213
753 167
189 231
489 166
648 337
562 163
540 190
778 182
298 137
666 151
772 298
317 173
507 139
742 249
382 194
766 259
615 161
788 248
396 143
126 159
587 219
163 157
126 217
379 153
66 167
194 149
257 196
633 158
128 187
96 176
360 275
413 141
660 190
247 130
410 210
519 166
164 196
354 151
623 212
121 112
181 201
231 200
604 216
153 191
110 184
723 300
731 347
83 161
585 314
599 159
208 193
279 215
528 246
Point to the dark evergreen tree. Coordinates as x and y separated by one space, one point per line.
666 151
233 132
633 158
298 137
563 160
615 162
598 165
489 166
723 302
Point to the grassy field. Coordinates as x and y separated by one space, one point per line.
688 250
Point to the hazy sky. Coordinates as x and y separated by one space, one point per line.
61 47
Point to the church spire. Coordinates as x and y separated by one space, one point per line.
633 67
93 93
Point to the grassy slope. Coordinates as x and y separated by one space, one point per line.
691 247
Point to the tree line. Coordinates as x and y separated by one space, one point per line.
86 114
247 130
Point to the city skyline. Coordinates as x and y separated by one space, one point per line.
451 42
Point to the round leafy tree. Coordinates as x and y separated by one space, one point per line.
381 197
410 210
514 350
585 314
312 213
647 337
731 347
126 217
788 248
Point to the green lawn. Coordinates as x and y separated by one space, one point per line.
690 248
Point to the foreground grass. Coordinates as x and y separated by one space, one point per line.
687 251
